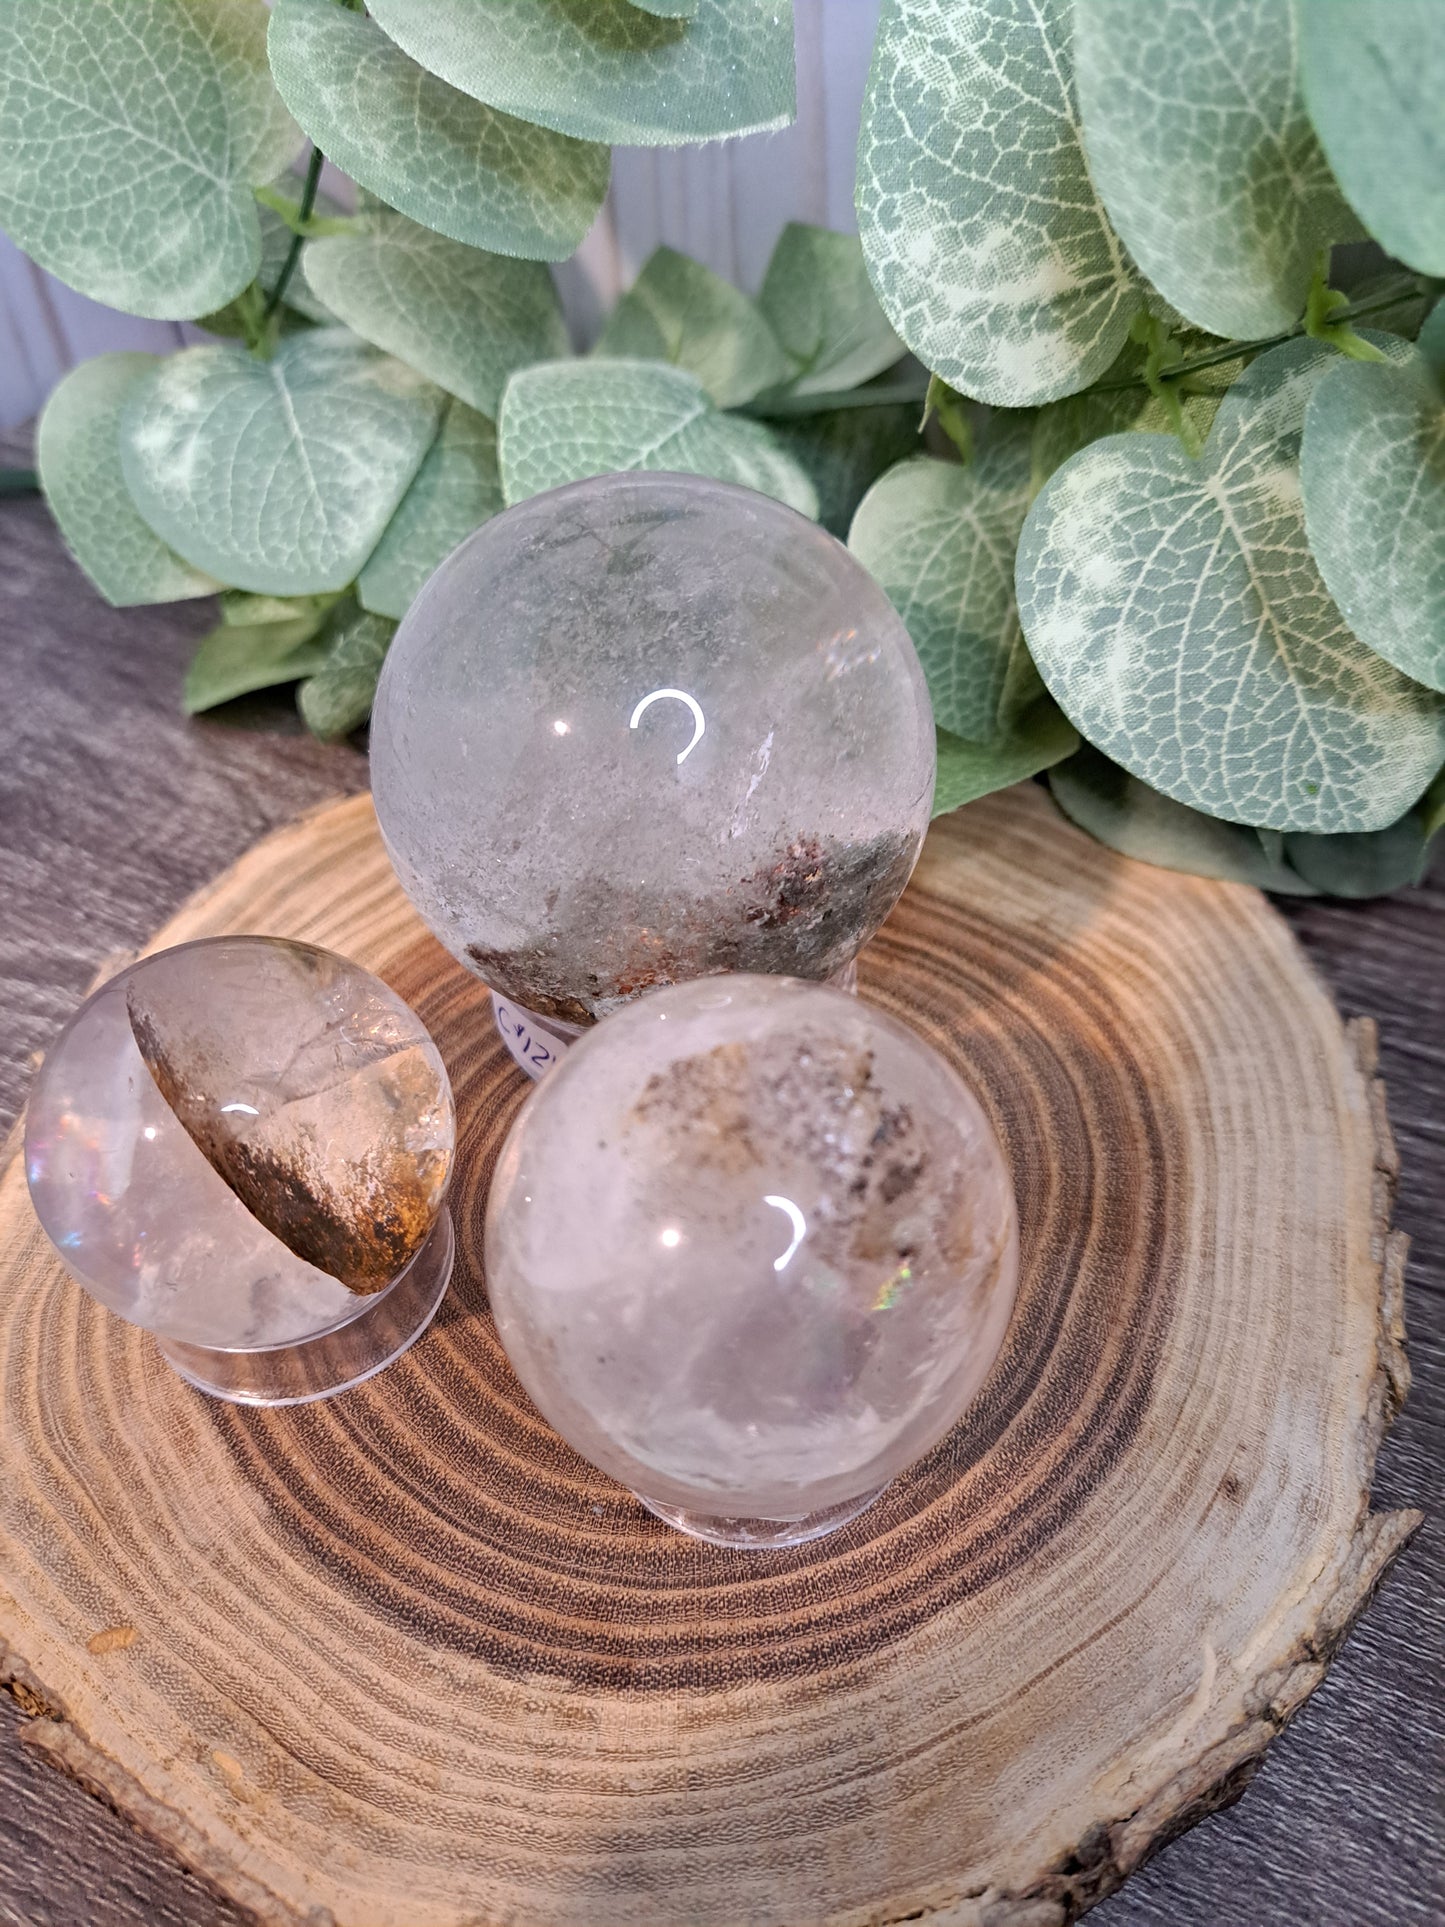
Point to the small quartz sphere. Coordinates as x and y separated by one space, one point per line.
644 728
241 1144
752 1250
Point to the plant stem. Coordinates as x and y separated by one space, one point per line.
293 253
914 388
18 481
1236 350
884 394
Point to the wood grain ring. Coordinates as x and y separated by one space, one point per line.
403 1660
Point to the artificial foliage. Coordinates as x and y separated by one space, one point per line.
1147 449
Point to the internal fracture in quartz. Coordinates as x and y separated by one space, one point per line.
645 728
234 1142
752 1248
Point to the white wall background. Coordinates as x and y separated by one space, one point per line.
723 203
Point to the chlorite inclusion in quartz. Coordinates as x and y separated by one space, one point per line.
644 728
237 1143
751 1248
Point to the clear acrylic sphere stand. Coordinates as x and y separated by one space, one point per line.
759 1535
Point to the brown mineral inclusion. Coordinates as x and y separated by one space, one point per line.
326 1159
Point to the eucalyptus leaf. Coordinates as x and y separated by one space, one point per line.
1371 864
605 70
845 450
820 304
242 610
276 239
337 699
131 138
940 540
1373 472
1137 821
1198 140
235 660
466 170
1374 77
1041 737
78 455
457 488
680 312
280 475
461 317
1176 613
564 420
988 246
1064 427
1432 807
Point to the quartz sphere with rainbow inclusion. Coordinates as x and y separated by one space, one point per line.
751 1248
644 728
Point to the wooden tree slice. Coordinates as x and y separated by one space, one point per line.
403 1660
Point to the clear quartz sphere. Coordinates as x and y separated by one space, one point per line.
752 1250
240 1143
647 727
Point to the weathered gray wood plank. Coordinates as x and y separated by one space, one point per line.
113 808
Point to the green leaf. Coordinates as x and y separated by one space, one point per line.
1066 426
1043 736
242 610
563 420
605 70
955 414
456 489
1374 77
436 154
1373 472
820 304
131 137
337 699
1198 141
78 453
1327 319
234 660
668 9
1432 807
1371 864
1137 821
1407 311
276 239
680 312
277 475
844 451
463 318
1177 615
940 540
989 249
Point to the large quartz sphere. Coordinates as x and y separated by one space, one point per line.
751 1248
647 727
235 1143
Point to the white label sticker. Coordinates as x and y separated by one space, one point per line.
534 1048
